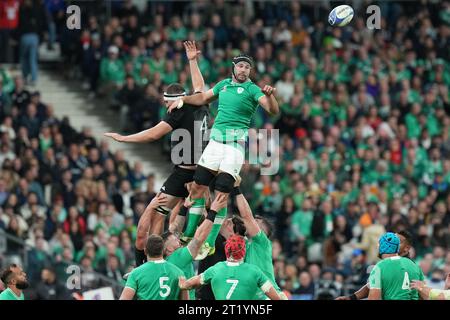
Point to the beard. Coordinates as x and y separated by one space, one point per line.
239 78
22 285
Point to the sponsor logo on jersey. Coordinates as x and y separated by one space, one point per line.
240 90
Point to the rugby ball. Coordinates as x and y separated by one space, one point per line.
341 15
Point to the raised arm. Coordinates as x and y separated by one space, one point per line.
247 216
192 54
268 100
148 135
198 99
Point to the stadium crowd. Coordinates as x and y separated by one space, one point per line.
364 136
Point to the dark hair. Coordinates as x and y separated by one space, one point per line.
267 223
155 245
175 88
7 274
407 235
238 226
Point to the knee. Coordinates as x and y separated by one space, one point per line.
197 190
224 182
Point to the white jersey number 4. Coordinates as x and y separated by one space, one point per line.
405 285
234 283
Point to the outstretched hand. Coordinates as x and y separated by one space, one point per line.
268 90
114 135
191 50
159 200
175 105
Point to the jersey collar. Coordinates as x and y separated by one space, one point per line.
158 261
12 292
234 263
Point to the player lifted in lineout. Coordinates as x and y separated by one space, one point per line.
238 98
188 119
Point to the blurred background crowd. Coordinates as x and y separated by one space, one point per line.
364 132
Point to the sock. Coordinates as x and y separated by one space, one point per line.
139 256
194 215
220 217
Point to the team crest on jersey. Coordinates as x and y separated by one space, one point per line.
240 90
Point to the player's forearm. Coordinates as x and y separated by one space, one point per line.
197 79
203 231
141 137
198 99
192 283
273 294
177 225
362 293
273 107
243 207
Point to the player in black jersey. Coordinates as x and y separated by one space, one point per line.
189 126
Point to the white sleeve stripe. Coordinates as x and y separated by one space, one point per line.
202 281
266 286
130 288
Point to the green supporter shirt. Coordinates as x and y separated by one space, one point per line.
235 280
259 253
393 277
112 71
155 280
182 258
237 105
8 294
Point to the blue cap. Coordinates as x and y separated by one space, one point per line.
389 243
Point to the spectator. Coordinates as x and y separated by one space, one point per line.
306 290
31 25
49 288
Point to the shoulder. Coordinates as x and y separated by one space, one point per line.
251 267
223 82
173 267
175 254
139 269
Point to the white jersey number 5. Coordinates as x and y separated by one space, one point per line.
164 287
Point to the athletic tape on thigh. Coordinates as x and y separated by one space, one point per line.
196 210
163 210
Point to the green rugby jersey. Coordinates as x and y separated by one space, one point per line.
8 294
237 105
182 258
259 253
393 276
235 281
155 280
